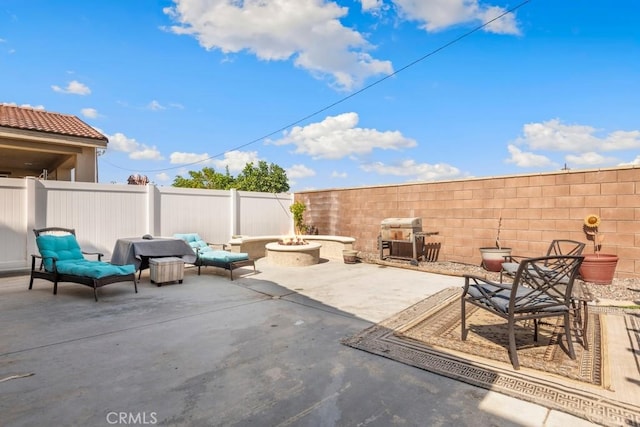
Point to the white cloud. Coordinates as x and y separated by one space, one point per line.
307 31
136 150
119 142
506 24
371 4
436 15
155 106
74 87
341 175
13 104
299 171
374 7
553 135
91 113
527 159
178 157
634 162
415 171
235 160
163 177
146 153
337 136
589 159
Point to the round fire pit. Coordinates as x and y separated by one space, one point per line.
293 255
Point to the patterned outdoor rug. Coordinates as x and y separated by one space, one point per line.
427 336
488 338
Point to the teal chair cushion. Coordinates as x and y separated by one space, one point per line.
62 248
206 252
70 260
224 256
93 269
195 241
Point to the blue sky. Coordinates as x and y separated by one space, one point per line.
338 93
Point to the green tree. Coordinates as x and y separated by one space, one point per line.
206 178
267 178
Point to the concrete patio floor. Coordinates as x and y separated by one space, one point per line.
262 350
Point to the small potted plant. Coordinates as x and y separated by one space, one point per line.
297 209
597 267
494 256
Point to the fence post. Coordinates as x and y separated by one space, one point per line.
153 211
36 213
234 213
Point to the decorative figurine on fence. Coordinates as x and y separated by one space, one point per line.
137 179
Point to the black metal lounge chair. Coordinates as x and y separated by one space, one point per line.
62 260
207 256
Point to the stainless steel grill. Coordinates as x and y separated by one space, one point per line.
402 238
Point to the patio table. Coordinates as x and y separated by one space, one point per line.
138 251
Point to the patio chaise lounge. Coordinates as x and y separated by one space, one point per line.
208 256
62 260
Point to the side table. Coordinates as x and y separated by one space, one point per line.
165 270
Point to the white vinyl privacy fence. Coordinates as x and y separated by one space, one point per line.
102 213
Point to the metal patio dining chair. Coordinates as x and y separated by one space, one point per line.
557 247
542 288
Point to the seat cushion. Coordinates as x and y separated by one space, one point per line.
223 256
511 268
195 241
61 248
93 269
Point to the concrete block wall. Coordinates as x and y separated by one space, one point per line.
535 209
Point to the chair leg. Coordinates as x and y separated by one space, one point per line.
535 330
580 311
584 312
463 319
33 267
513 354
567 333
135 284
55 287
95 292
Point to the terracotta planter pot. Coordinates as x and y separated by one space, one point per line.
492 258
350 256
598 268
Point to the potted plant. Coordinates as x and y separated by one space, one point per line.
297 209
597 267
494 256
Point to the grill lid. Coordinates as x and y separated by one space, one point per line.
413 223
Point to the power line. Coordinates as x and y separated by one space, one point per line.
341 100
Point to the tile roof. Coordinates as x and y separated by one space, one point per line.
44 121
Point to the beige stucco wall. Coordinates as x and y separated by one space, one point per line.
59 155
535 209
86 165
